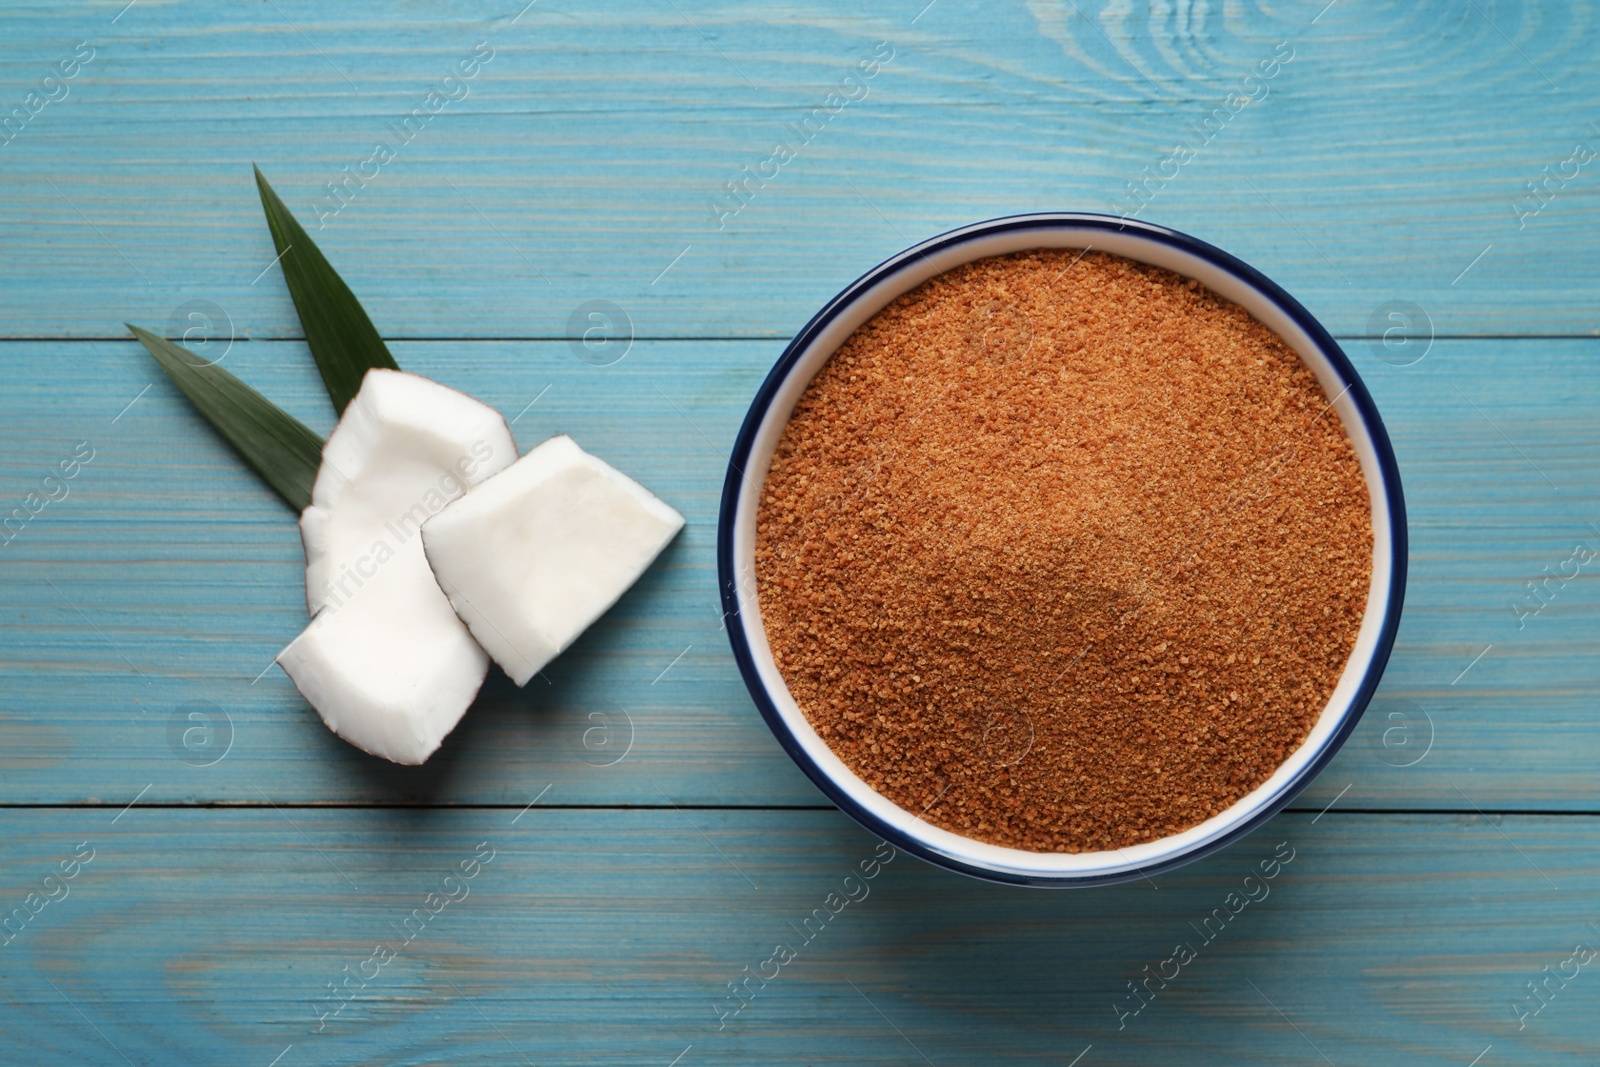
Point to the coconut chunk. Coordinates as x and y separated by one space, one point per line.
385 660
388 677
534 555
405 447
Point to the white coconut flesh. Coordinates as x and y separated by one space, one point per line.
385 660
535 554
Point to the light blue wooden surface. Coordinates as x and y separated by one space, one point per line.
1385 163
610 937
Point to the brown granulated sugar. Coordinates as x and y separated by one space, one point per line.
1065 553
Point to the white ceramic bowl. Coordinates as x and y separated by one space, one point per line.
1146 243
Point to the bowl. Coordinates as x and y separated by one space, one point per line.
1144 242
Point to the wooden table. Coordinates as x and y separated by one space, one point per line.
650 842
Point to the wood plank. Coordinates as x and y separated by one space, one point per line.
583 160
167 579
611 937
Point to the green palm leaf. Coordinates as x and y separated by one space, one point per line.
342 339
281 448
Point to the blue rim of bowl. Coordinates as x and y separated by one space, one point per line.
726 572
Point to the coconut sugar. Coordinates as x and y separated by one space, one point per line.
1063 552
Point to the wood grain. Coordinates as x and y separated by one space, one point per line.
586 153
673 844
169 577
610 937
